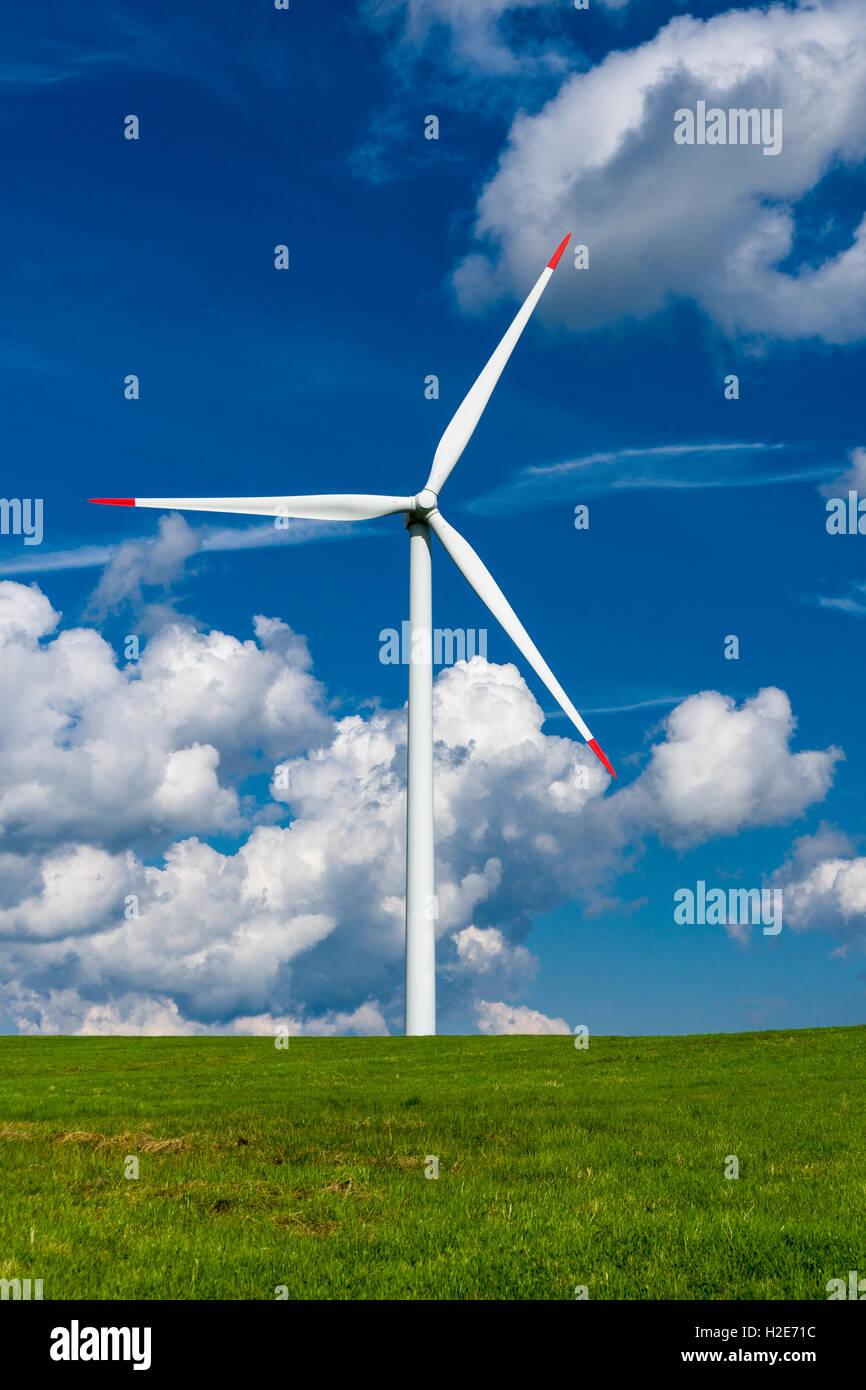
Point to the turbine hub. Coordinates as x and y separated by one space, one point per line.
426 502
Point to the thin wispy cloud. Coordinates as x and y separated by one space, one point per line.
639 704
39 562
474 58
686 466
217 538
102 39
854 602
58 58
654 703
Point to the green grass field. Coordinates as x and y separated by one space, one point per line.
558 1167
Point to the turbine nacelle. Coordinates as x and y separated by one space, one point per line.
423 505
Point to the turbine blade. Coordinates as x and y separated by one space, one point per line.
477 574
337 506
463 423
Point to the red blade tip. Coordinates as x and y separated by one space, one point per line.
599 753
113 501
554 260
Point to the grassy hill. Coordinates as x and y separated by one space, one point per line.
558 1167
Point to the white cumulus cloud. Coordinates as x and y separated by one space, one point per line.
89 748
715 224
722 768
498 1017
113 776
823 883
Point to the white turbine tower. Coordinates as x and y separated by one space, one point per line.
422 516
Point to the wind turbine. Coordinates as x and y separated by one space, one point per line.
422 516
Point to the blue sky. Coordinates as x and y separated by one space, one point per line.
409 257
